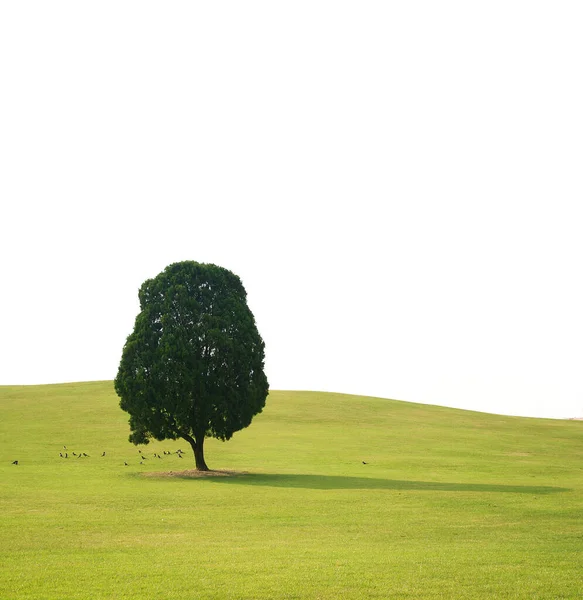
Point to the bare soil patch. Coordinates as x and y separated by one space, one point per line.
193 473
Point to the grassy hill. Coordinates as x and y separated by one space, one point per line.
451 503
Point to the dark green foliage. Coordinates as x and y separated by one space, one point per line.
193 366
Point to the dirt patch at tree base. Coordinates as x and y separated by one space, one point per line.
194 474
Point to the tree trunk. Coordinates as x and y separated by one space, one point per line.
199 455
198 450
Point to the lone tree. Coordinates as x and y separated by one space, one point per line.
193 366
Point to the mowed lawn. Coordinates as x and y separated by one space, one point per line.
451 504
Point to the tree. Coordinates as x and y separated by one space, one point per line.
193 366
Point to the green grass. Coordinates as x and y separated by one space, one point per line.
452 504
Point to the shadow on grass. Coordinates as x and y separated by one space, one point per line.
338 482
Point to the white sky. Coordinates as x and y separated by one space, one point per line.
398 185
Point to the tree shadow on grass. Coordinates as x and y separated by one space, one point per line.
339 482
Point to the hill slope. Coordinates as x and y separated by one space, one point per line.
450 503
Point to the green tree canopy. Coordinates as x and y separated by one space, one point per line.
193 366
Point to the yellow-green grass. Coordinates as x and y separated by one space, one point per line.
451 503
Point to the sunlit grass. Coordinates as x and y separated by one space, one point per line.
451 504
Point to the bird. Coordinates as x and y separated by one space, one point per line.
66 455
103 454
64 447
14 462
364 463
87 455
125 463
74 454
61 454
180 456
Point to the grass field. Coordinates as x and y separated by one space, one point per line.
451 504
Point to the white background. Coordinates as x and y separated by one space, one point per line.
398 185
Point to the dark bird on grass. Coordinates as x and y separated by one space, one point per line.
87 455
66 455
180 456
125 463
103 454
74 454
64 447
14 462
364 463
61 454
